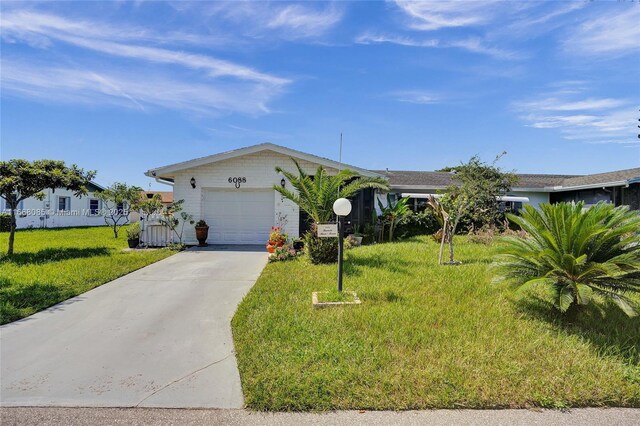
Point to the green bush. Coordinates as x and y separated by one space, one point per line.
420 223
321 250
5 222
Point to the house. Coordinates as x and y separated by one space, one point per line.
233 191
620 187
59 208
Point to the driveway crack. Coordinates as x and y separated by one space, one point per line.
182 378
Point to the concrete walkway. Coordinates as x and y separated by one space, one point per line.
142 416
158 337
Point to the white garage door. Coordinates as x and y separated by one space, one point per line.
239 217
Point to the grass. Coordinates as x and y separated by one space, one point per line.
335 296
426 336
52 265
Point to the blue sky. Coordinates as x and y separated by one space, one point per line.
123 87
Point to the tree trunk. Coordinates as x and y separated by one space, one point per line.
12 232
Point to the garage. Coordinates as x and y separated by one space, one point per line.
238 216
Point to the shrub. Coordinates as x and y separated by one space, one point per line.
484 235
285 252
201 223
420 223
577 253
320 250
133 231
5 222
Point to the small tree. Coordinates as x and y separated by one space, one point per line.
147 207
448 211
117 202
172 222
21 179
478 186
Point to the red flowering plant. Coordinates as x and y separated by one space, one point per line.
277 237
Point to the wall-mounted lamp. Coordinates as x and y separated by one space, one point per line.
283 183
193 182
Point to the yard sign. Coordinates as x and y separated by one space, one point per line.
328 230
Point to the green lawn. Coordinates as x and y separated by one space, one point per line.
426 336
52 265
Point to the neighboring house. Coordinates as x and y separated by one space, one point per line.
620 187
233 191
60 208
167 199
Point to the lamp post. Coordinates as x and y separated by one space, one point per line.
342 208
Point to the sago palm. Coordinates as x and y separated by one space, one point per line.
316 194
577 252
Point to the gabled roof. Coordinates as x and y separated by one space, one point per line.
170 170
441 180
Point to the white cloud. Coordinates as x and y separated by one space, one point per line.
416 97
435 15
289 22
587 119
131 89
473 45
610 34
304 21
210 83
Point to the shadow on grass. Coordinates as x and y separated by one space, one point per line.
354 265
602 324
19 301
54 255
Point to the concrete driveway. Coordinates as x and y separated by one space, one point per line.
158 337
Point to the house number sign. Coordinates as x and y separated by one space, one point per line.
237 181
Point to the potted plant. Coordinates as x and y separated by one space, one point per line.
202 232
276 239
357 236
133 235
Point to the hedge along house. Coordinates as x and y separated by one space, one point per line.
233 192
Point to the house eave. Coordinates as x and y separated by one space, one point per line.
590 186
168 172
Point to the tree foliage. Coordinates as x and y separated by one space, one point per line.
316 194
392 214
578 253
478 186
117 202
22 179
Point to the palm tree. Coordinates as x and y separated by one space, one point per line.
393 213
316 195
578 252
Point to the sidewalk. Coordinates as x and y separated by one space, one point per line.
151 416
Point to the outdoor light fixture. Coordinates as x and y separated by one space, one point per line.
342 208
283 183
193 182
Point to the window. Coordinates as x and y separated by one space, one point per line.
94 206
64 203
120 208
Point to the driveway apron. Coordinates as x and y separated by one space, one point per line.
158 337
